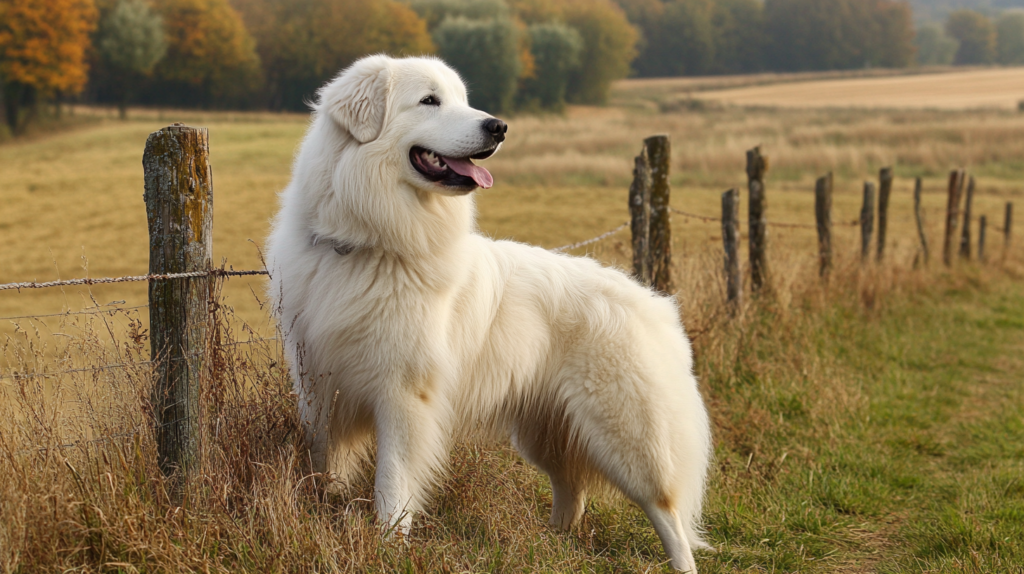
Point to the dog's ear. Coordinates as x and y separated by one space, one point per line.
357 98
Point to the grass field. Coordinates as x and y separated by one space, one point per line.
1001 88
871 424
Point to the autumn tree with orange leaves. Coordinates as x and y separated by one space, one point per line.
43 48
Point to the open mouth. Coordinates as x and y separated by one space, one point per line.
453 172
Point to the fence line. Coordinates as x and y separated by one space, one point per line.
93 311
130 278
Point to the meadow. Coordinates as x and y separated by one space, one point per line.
870 423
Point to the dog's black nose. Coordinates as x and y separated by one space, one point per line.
496 128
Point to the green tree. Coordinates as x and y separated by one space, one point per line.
838 34
304 43
976 34
486 55
934 47
436 11
609 46
1010 37
130 43
739 36
556 52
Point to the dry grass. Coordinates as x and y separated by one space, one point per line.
807 478
74 198
959 90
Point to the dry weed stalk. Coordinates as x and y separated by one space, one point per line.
83 490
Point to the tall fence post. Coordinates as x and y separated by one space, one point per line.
757 167
885 177
867 220
640 217
982 224
823 217
965 235
179 207
953 192
1007 227
659 154
731 241
919 218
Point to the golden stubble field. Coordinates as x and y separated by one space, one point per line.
72 201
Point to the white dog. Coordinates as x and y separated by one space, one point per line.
403 322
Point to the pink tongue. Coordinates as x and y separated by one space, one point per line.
481 176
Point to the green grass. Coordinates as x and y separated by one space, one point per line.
853 434
918 468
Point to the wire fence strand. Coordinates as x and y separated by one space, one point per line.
131 278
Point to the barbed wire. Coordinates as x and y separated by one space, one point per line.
131 278
770 223
94 311
579 244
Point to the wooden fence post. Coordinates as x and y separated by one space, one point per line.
885 177
731 240
823 217
179 206
954 190
659 154
982 224
1007 227
640 217
919 218
867 220
965 235
757 167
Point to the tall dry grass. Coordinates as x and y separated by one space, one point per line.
83 491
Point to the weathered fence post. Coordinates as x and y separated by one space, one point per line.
659 154
867 220
757 166
640 217
965 235
823 217
982 224
1007 227
885 177
919 218
954 190
179 206
731 241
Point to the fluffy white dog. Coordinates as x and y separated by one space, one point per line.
403 322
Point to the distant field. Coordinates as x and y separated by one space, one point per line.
75 197
997 89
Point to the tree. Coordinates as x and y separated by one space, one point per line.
304 43
609 46
739 36
976 35
130 42
1010 37
486 55
838 34
556 50
43 45
211 58
934 47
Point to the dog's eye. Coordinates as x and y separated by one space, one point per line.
430 101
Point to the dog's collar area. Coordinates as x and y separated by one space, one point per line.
339 247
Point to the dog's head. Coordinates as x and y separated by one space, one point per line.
415 111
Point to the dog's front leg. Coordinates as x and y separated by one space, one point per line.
412 442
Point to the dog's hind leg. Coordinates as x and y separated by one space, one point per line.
673 537
546 448
412 445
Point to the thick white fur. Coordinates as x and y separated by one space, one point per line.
427 329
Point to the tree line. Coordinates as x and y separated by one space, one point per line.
514 54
